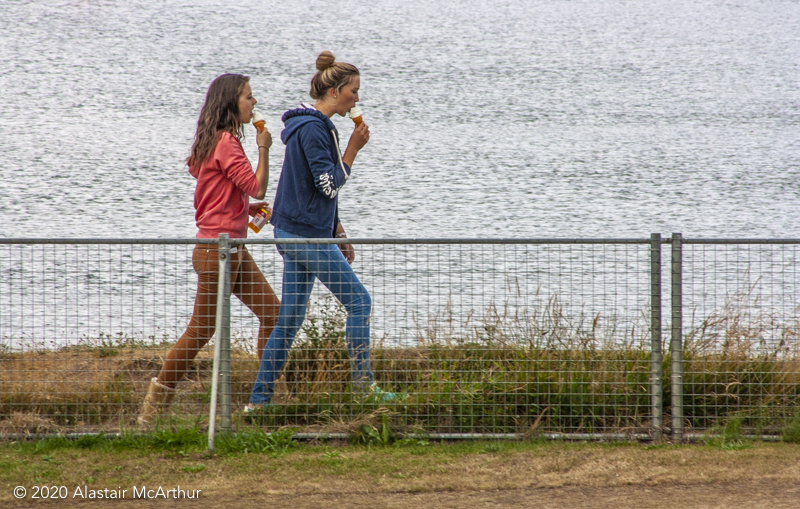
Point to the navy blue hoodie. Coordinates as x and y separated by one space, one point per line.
312 174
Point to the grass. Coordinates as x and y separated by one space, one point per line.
407 467
791 432
169 440
506 373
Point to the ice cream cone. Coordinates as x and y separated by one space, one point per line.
356 116
258 120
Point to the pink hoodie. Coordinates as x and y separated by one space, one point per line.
224 183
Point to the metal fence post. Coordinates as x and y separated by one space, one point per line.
676 344
224 334
221 377
656 356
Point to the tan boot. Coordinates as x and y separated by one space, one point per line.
157 400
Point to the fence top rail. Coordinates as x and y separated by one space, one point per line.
387 241
95 241
738 241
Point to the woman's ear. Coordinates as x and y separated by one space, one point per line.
333 95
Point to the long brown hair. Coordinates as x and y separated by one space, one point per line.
330 74
220 113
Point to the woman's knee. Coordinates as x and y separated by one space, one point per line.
268 317
360 305
268 322
196 336
284 333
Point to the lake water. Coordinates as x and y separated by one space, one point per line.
488 119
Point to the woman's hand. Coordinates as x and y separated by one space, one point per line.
347 249
358 139
258 205
349 252
264 138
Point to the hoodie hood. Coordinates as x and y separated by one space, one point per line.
298 117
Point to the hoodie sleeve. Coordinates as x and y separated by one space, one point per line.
328 174
335 220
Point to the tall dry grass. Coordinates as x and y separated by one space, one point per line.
743 360
504 371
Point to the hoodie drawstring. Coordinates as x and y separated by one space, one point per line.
339 153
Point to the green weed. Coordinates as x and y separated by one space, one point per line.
368 434
174 439
730 437
791 433
256 441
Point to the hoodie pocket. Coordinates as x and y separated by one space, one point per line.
313 203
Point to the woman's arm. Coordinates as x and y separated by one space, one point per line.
264 140
316 144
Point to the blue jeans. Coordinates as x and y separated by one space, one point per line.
301 264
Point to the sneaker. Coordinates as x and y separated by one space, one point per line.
255 414
251 408
375 392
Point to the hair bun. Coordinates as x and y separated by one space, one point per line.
330 74
325 60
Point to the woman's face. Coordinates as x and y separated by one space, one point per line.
246 104
348 96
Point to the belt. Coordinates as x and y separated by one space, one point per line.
232 249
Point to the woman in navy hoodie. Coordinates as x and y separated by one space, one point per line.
306 205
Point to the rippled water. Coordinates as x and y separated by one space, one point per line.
499 119
512 119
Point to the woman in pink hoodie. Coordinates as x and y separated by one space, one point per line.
225 182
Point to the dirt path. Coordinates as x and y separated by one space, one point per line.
724 496
760 494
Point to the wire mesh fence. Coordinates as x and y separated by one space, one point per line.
741 349
466 337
